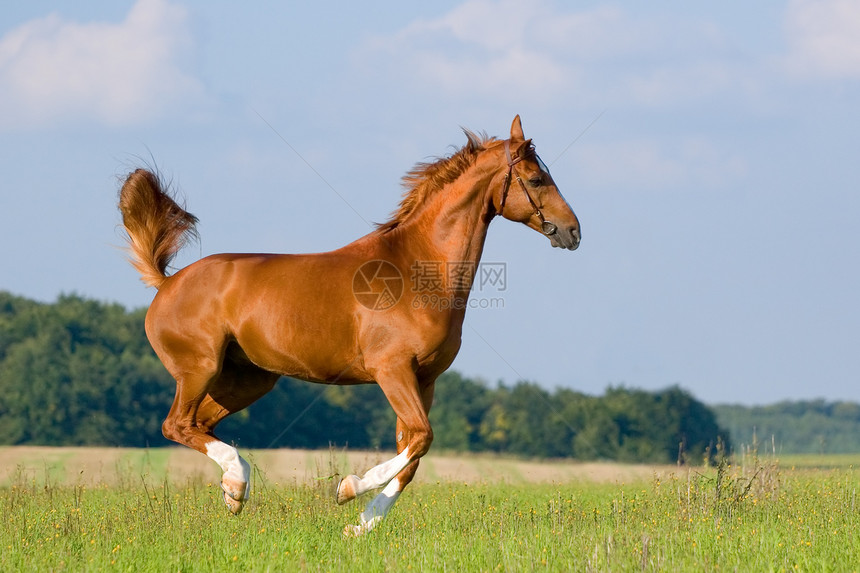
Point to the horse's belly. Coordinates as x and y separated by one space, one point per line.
316 356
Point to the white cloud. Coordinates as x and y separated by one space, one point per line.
500 48
824 38
116 73
545 52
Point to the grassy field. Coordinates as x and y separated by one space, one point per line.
143 513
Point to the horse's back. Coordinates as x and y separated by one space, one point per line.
277 308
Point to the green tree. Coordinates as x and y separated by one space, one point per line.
78 372
458 409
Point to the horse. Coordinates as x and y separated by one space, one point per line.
228 326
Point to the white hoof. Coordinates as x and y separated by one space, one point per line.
359 530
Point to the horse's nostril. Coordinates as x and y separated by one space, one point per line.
574 236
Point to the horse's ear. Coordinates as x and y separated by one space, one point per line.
517 130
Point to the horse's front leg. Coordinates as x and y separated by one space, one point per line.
381 504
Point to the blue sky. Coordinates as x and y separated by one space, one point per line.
717 188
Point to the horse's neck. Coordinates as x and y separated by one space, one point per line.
452 228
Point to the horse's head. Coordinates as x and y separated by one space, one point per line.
528 194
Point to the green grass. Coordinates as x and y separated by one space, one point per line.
757 518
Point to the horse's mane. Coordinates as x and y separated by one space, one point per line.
426 178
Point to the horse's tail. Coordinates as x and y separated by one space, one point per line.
157 226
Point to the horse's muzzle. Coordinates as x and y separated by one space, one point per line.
566 238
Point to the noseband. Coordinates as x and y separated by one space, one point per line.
546 227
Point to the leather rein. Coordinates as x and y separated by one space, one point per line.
546 227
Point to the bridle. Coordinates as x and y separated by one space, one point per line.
546 227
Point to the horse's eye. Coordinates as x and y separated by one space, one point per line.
536 181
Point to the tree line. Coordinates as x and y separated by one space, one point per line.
795 427
81 372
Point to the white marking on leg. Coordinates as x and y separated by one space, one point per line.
382 474
231 462
376 509
236 481
380 505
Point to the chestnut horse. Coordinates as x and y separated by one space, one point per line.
228 326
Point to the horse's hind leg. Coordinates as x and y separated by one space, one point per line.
199 372
235 389
181 425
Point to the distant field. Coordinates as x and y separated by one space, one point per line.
820 461
99 509
93 466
